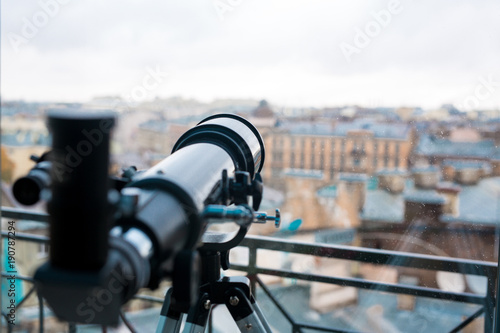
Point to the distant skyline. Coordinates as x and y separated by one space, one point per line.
292 53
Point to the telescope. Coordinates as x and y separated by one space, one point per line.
111 236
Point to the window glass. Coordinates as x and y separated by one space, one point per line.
380 120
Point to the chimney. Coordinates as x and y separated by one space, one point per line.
495 167
466 172
354 184
467 175
451 195
448 172
392 181
426 177
424 207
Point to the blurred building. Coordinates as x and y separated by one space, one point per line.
359 146
424 214
23 136
159 136
433 150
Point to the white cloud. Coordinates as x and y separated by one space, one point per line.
284 51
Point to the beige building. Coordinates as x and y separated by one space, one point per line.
355 147
21 138
159 136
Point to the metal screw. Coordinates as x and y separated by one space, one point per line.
248 326
233 300
207 304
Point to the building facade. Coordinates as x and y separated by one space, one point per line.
355 147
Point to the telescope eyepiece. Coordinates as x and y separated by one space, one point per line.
27 189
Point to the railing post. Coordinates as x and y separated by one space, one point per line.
489 306
252 265
41 313
491 286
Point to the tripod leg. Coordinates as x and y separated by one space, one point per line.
243 313
170 319
197 318
259 313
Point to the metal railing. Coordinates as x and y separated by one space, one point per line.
357 254
380 257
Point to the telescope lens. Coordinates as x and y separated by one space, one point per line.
27 190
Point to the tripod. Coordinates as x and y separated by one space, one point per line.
234 292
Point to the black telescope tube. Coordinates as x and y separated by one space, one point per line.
189 177
79 209
160 224
236 135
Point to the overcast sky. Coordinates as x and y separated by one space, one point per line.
425 53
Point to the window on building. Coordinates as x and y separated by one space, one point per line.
332 158
386 155
313 154
276 172
278 142
342 155
322 155
396 156
302 161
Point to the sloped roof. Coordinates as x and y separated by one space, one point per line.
25 138
327 192
466 164
380 205
155 125
478 204
432 146
379 130
304 173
